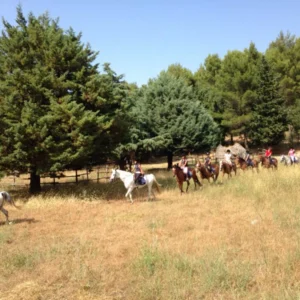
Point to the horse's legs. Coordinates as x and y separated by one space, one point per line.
129 194
150 192
5 213
187 185
180 184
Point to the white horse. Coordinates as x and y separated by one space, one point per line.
130 185
287 161
4 196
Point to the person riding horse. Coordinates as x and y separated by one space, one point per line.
138 172
183 164
228 157
268 154
248 159
291 155
207 163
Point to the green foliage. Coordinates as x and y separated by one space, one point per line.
56 110
228 88
167 117
284 56
269 121
180 72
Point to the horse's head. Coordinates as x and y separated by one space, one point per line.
261 158
175 169
114 175
282 158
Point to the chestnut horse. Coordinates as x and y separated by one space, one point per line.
265 162
244 165
206 174
181 177
226 168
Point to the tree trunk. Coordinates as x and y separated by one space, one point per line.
170 159
122 163
35 182
246 141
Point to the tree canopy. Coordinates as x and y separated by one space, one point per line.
169 117
56 110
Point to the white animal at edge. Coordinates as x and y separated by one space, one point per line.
5 197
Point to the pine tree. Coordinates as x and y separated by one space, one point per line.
55 107
169 118
269 119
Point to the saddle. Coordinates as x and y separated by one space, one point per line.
189 175
141 180
210 169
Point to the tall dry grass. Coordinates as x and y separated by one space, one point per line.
236 240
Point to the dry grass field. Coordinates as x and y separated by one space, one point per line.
236 240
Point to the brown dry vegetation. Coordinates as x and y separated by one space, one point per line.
236 240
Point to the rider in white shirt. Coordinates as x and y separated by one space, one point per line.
227 157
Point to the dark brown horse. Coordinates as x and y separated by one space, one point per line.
181 177
206 174
244 165
226 168
265 162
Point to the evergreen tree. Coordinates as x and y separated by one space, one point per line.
56 110
168 117
269 119
283 55
237 82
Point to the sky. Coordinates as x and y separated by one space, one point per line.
141 38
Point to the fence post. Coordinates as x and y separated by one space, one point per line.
76 177
98 174
106 173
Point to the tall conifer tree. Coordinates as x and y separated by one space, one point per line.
56 110
269 118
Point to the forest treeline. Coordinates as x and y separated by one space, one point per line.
60 110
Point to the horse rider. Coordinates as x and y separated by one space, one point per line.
248 160
291 155
227 157
183 164
138 171
207 163
268 154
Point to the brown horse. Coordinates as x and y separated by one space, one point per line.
226 168
181 177
244 165
265 162
206 174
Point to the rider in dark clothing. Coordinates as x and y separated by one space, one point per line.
138 171
248 159
208 163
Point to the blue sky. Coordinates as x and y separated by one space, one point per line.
141 38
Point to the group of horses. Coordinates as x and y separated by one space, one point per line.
181 177
223 167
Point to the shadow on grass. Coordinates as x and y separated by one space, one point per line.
19 221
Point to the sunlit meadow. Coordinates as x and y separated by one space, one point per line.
239 239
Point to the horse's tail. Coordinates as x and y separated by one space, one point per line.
157 184
10 200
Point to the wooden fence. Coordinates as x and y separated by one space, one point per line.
97 174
